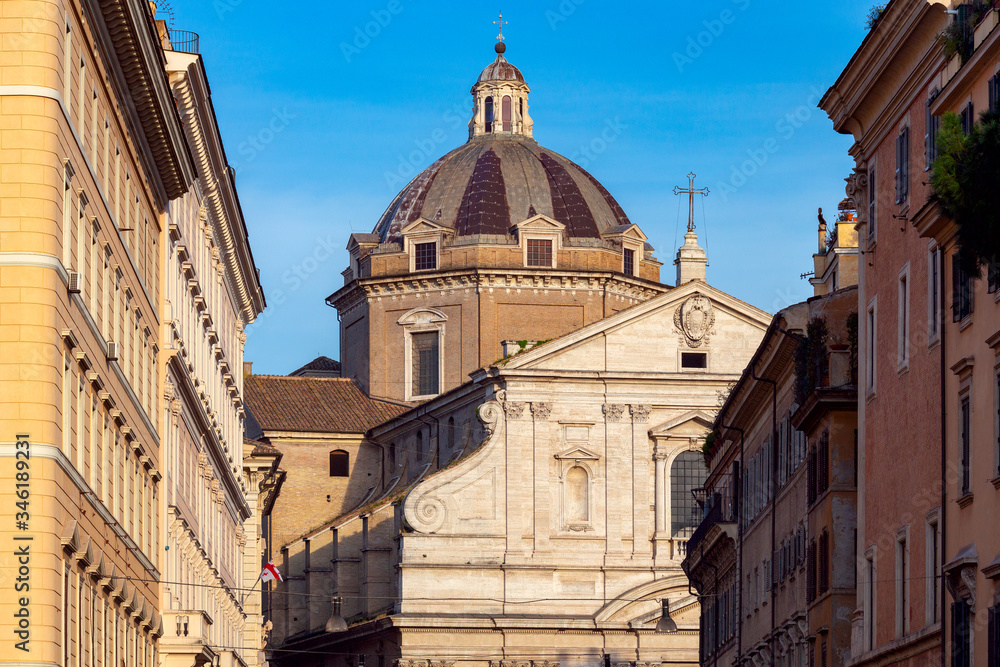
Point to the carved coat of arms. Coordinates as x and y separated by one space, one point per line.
694 319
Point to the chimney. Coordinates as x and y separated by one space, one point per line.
247 368
822 233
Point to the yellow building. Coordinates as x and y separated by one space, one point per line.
94 159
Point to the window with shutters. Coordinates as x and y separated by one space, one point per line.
932 567
995 92
933 293
425 363
870 341
967 117
869 602
505 109
811 476
903 166
961 634
961 291
823 564
965 446
811 572
996 424
823 465
902 584
872 204
903 318
993 276
340 463
932 124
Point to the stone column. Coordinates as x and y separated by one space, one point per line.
614 477
541 493
641 532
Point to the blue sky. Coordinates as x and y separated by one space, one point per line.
326 109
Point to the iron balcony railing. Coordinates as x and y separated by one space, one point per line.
719 510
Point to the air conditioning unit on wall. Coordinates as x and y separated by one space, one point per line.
75 282
113 351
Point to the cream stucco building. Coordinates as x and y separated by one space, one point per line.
120 317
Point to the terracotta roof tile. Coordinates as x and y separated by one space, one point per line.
313 404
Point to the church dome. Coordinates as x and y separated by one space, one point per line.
501 70
497 180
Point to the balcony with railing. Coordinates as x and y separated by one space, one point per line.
184 41
720 510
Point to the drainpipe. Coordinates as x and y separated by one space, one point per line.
738 511
772 488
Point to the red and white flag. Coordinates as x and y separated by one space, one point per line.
270 572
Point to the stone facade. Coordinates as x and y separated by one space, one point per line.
537 513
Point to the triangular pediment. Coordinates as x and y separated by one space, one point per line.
423 225
540 223
577 454
630 231
647 338
692 423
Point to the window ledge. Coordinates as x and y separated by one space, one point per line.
903 368
965 500
996 482
965 323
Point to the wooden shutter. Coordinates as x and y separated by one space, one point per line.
811 572
811 477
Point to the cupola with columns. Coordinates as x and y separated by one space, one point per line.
500 97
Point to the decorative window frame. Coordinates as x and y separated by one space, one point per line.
963 369
424 231
932 567
629 238
869 603
871 356
683 369
541 228
421 320
935 259
902 593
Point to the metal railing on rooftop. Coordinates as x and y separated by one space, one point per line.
184 41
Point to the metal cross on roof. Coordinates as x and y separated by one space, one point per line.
691 191
500 23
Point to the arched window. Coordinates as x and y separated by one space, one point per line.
340 463
489 114
505 107
686 474
577 495
520 109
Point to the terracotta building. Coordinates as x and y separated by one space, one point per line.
883 99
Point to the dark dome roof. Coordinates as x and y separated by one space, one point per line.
496 181
501 70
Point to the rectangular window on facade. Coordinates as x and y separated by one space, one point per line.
869 602
967 118
961 291
932 124
933 292
965 445
628 262
933 567
425 363
961 634
993 637
694 360
540 252
823 564
870 351
872 204
903 319
993 276
902 587
996 425
903 165
995 92
811 552
425 256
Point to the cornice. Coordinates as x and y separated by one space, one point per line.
195 102
135 48
374 289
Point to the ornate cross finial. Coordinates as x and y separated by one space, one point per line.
500 23
691 191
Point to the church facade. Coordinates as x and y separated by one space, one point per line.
533 504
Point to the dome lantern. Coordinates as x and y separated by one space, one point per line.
500 97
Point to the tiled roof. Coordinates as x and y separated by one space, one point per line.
261 448
319 364
312 404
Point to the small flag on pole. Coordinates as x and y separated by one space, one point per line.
270 572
